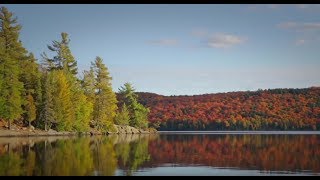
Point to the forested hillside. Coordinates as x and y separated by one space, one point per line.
275 109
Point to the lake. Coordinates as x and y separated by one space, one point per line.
167 153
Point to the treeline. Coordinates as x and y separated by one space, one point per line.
50 94
276 109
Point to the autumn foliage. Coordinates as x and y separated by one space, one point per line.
276 109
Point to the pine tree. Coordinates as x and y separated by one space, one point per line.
88 84
137 112
64 58
63 107
122 117
11 50
47 115
105 105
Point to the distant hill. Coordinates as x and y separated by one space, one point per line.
272 109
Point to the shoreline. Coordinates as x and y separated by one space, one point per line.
26 132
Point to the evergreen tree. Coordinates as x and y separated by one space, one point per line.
11 50
30 76
88 84
64 58
105 105
83 112
138 113
63 107
47 114
122 117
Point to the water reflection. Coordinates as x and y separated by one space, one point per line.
153 154
267 153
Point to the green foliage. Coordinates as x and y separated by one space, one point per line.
30 109
105 105
10 54
63 107
64 58
137 112
30 76
88 85
83 111
122 117
47 114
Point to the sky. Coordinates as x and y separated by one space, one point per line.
184 49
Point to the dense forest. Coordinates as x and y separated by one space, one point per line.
276 109
50 94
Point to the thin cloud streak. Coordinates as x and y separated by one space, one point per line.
164 42
222 40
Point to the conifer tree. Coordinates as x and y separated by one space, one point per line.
47 115
63 58
122 117
137 112
11 50
105 105
63 107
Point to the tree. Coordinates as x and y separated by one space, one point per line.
31 78
30 109
47 114
105 105
64 58
122 117
11 50
83 111
88 84
63 107
137 112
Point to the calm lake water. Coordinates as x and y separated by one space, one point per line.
167 153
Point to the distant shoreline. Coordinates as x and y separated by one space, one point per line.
240 132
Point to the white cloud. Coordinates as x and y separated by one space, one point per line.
164 42
221 40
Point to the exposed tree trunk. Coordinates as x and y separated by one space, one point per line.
9 124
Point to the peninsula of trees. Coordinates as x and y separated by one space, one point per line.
51 95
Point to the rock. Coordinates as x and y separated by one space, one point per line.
52 132
32 128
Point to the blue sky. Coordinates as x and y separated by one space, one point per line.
185 49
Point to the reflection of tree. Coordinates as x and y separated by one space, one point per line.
105 161
103 155
133 154
10 164
265 152
66 157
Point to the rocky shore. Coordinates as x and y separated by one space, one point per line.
24 131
